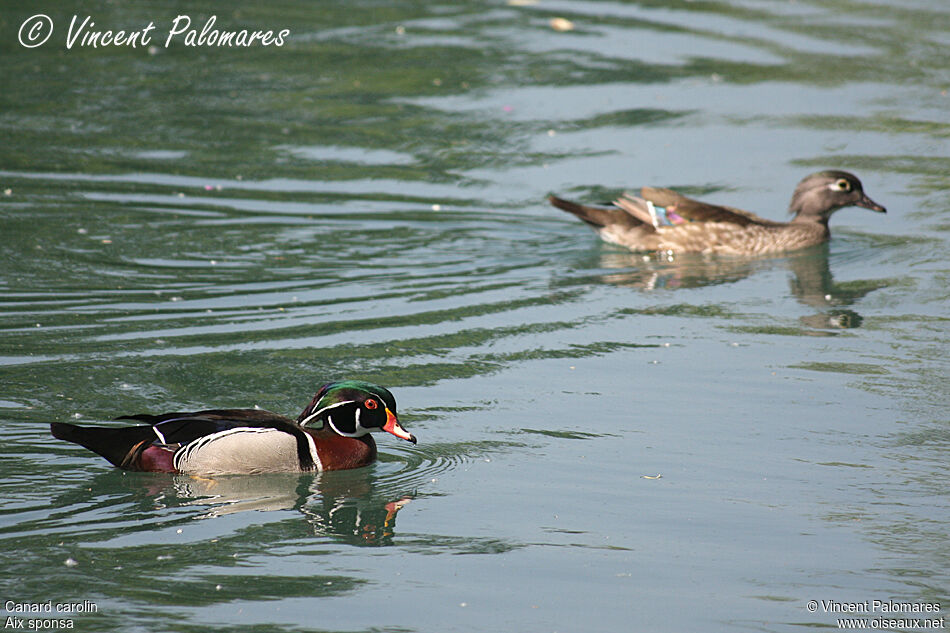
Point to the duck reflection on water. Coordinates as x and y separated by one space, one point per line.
345 505
811 281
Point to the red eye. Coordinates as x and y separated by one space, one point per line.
371 404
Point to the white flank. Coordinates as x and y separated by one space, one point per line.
244 450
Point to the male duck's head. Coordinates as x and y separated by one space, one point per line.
353 408
819 195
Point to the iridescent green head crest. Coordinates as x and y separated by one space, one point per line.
353 408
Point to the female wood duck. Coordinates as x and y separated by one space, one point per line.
663 220
332 433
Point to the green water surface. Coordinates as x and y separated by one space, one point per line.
607 441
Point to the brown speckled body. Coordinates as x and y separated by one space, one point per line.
720 238
712 229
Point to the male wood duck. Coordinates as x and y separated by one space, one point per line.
663 220
332 433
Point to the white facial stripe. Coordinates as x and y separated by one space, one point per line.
316 414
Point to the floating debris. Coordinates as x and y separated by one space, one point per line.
561 24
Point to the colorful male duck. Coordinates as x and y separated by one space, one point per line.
332 433
663 220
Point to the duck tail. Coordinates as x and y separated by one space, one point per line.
598 217
594 216
118 445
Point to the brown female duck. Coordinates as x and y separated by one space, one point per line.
663 220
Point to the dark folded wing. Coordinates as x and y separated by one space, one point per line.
183 428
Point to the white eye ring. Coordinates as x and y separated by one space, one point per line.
841 185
